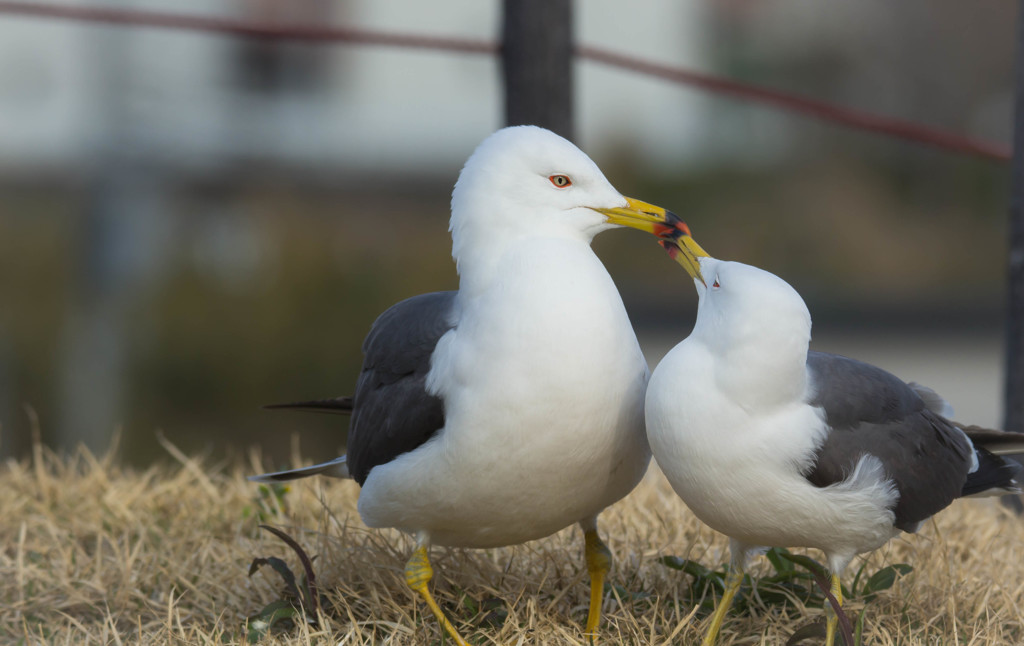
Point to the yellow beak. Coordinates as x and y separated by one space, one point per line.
646 217
672 232
686 252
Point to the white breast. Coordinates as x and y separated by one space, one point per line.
740 471
543 382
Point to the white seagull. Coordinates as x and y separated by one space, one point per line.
512 408
776 446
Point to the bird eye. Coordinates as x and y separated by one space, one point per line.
715 285
560 181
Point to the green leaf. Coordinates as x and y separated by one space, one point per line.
856 578
310 596
884 579
275 611
805 562
776 556
263 622
281 568
858 632
693 568
793 577
676 563
702 576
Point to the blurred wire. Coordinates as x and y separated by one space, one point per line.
246 28
856 119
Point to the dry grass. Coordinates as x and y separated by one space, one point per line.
94 553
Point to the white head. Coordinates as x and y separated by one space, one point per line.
526 181
756 325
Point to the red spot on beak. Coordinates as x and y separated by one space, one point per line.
662 230
672 250
672 228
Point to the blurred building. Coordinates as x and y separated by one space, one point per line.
194 224
194 101
111 132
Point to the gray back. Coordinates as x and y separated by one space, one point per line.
392 411
872 411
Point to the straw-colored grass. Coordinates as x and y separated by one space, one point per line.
95 553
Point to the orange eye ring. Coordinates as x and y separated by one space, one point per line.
560 181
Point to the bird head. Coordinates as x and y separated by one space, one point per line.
746 309
526 181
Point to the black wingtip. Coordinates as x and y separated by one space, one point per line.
335 405
996 473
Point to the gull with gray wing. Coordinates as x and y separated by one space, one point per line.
512 408
777 446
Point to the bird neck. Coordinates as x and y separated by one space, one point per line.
762 368
483 256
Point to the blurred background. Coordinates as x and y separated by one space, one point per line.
193 225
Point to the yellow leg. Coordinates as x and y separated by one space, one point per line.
732 585
417 574
832 619
599 561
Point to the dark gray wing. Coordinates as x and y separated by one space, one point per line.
392 412
872 411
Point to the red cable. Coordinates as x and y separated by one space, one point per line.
245 27
837 114
828 112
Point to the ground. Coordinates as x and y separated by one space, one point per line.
96 553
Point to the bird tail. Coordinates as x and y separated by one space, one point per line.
335 405
336 468
996 474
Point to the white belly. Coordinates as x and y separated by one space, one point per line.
741 473
544 384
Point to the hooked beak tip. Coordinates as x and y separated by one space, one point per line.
686 252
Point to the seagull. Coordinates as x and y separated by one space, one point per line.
514 407
777 446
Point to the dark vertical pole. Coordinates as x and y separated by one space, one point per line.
1013 412
537 55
